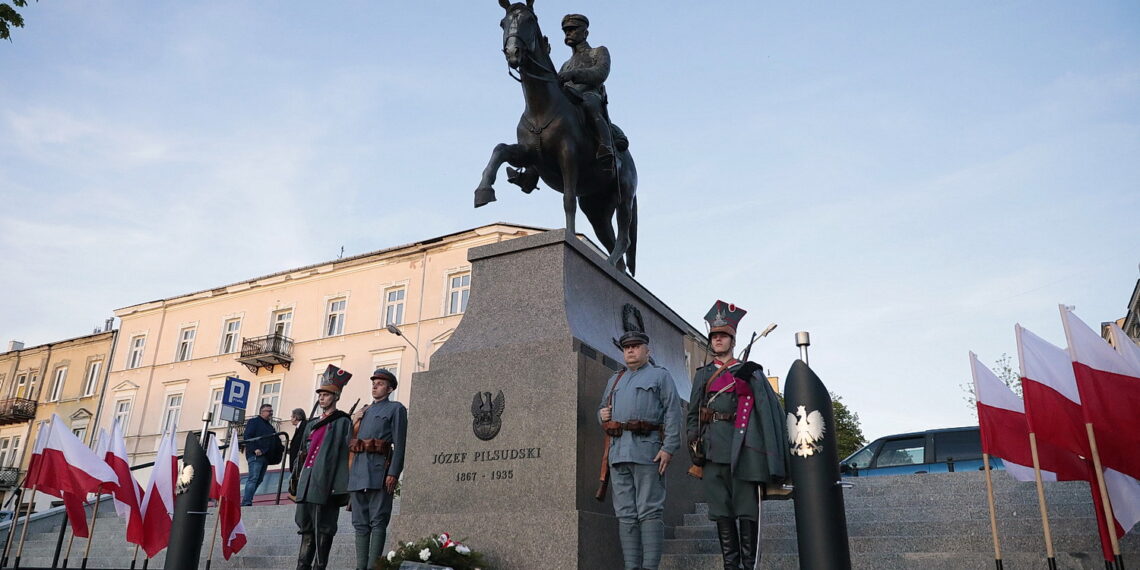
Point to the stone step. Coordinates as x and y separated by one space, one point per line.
896 561
980 527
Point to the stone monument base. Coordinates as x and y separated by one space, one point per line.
504 445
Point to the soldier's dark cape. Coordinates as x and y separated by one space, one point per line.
326 481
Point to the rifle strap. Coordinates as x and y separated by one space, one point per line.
605 473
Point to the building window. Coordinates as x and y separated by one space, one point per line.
185 344
173 410
92 377
216 407
57 384
19 385
394 306
270 394
283 322
458 290
34 386
334 322
10 451
123 413
134 359
230 330
80 432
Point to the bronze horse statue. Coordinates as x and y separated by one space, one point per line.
555 145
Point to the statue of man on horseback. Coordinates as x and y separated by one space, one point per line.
565 137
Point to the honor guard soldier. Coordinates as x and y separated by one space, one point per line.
737 435
377 448
641 414
322 483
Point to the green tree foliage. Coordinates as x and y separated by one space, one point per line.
10 18
849 434
1005 370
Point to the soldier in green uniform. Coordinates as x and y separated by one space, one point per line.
735 421
322 483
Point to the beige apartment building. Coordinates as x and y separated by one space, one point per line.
281 331
66 378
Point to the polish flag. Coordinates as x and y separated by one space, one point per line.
1005 433
70 470
158 502
1110 390
1042 361
128 496
229 508
216 467
33 477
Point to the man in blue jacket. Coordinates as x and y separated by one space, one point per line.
255 449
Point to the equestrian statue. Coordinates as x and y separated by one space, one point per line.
565 137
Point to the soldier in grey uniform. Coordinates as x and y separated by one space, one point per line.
583 77
641 413
736 423
377 447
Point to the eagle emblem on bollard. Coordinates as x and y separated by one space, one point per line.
488 414
805 429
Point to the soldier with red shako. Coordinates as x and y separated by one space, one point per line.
738 437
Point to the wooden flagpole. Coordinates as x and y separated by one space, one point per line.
214 538
1110 521
24 531
1050 557
993 513
91 530
135 557
70 541
12 528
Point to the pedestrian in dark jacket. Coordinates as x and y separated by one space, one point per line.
297 418
258 437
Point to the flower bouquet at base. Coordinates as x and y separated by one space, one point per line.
438 550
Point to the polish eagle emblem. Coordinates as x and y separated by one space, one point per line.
487 414
805 429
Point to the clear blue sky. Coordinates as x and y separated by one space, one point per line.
905 181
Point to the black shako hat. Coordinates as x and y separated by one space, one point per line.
631 338
334 379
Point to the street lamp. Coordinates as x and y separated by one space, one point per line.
396 331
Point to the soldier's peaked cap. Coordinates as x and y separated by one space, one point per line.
633 337
333 380
724 317
575 20
385 374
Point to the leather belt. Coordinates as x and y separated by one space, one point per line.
709 416
639 427
378 446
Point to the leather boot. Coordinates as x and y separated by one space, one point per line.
652 542
729 544
362 559
376 545
324 546
629 534
305 555
749 543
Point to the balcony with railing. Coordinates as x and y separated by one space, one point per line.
266 352
17 410
9 477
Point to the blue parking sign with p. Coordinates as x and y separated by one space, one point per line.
236 393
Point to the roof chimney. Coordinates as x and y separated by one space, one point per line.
15 345
109 324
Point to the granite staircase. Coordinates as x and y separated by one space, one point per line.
930 521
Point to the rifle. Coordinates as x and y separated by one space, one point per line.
604 476
748 349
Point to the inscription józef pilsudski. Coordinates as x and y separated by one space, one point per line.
495 473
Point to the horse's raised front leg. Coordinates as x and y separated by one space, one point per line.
513 153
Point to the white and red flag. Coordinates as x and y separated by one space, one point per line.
32 479
70 470
1043 362
128 497
229 508
1110 392
1005 433
217 467
158 502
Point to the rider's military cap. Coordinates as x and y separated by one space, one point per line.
575 20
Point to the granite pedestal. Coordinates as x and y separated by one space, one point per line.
539 328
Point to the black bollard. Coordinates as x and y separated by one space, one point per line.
821 522
189 526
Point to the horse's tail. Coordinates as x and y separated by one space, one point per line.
631 253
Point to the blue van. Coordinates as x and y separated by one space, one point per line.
931 451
